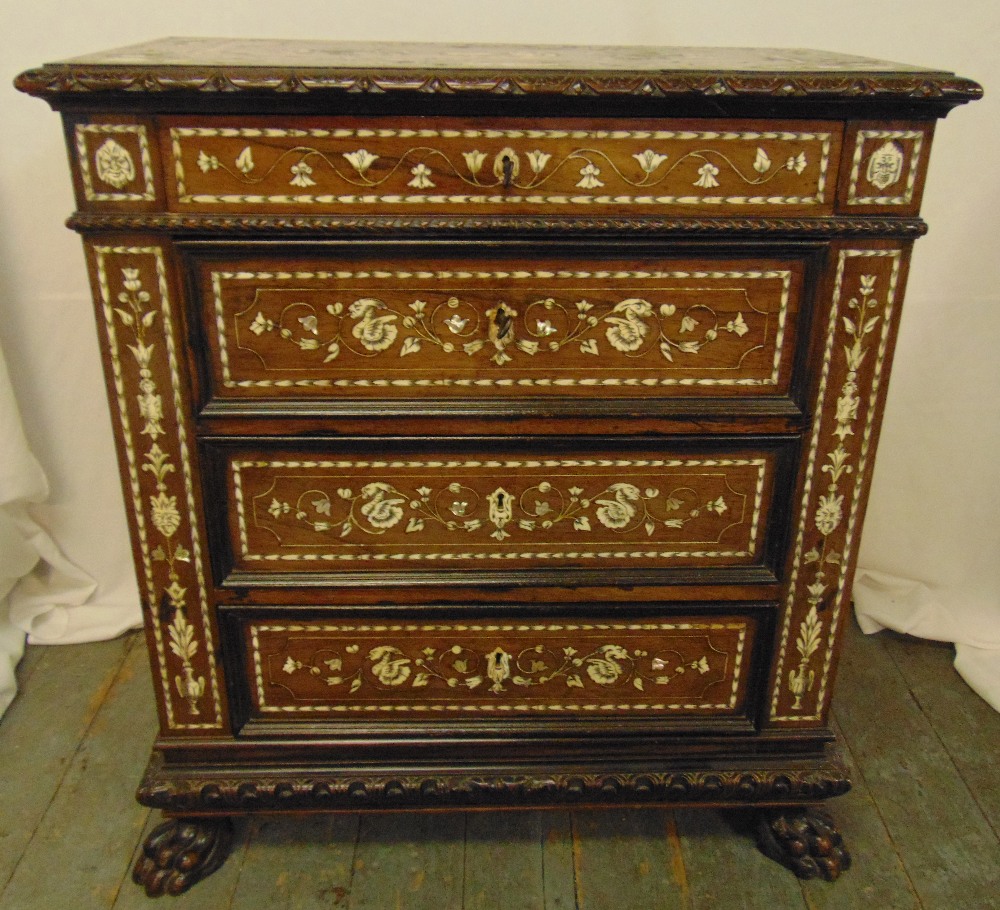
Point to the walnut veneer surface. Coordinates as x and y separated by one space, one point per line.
496 424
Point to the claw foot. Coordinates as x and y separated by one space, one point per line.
804 840
181 852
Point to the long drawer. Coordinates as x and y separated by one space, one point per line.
296 508
448 165
394 670
314 323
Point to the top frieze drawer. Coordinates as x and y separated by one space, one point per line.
450 166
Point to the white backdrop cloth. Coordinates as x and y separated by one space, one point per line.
41 591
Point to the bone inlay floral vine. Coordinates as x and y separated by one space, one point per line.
829 511
494 670
368 326
164 513
379 506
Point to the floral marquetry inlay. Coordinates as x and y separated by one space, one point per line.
528 330
552 667
142 350
857 341
614 510
406 163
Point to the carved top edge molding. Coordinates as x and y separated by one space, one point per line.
812 227
70 79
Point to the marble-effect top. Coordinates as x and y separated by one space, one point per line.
333 55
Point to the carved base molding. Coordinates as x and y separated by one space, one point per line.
181 852
804 840
237 790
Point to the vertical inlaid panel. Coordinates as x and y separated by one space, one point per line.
140 336
859 333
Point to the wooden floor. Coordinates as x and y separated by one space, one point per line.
922 820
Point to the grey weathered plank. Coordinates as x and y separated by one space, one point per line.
950 852
504 855
877 877
409 861
627 860
213 893
41 732
90 827
304 863
724 867
967 725
559 876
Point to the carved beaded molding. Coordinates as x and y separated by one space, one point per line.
62 80
137 317
389 665
399 225
388 789
817 628
411 343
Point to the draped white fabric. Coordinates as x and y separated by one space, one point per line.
931 551
38 585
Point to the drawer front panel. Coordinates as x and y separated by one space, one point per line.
685 665
414 166
294 511
303 327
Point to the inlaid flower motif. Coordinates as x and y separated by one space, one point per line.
382 509
762 163
474 160
606 670
132 281
261 324
166 518
626 334
114 164
376 333
361 160
300 175
627 330
829 513
796 163
421 177
456 323
207 162
618 512
706 175
544 327
649 160
538 159
589 174
390 667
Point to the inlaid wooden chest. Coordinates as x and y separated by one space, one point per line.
496 423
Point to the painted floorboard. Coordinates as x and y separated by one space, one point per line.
93 821
409 861
503 856
627 860
950 852
40 734
298 864
559 876
967 726
725 870
878 877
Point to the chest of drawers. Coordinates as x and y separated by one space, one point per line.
495 423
